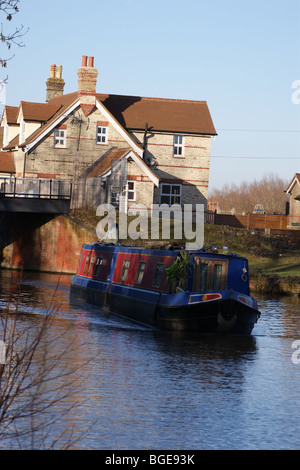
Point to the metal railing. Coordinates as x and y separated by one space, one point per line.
42 188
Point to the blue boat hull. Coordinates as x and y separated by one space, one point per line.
228 312
220 316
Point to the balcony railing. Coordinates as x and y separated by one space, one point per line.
42 188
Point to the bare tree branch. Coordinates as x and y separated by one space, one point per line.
37 383
10 8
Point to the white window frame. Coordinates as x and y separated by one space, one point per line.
170 194
60 138
133 191
178 146
100 135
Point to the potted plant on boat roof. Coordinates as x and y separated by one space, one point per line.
178 272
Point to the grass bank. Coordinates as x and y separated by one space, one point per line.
274 260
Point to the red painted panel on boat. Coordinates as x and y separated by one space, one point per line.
149 273
80 263
95 265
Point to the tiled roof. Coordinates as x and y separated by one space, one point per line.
13 143
40 112
59 104
7 164
11 114
166 115
132 113
105 163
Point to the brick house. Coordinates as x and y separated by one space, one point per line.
115 148
293 190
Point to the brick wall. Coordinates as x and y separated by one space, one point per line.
77 157
43 243
191 170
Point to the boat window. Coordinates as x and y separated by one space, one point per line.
125 269
87 261
91 265
203 272
217 279
210 274
140 272
158 274
99 261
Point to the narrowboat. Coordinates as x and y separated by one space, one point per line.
197 291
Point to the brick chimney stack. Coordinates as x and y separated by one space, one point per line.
87 82
55 84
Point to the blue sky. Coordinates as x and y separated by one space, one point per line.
242 57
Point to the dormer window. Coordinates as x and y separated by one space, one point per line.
178 146
60 138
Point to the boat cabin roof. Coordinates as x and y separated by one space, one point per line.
156 252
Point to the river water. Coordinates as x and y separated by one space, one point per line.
146 390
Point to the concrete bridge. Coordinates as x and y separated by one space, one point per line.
35 195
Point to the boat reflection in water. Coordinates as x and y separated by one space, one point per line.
196 291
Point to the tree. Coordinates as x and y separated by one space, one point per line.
269 192
10 8
37 383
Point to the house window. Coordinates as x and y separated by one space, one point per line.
140 272
170 194
158 274
60 138
101 136
125 270
178 146
131 190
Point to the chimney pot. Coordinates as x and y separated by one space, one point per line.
59 71
52 70
55 84
87 82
